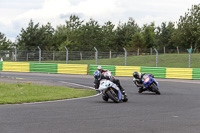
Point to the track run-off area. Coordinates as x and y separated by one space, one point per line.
176 110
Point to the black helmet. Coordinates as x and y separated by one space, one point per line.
136 75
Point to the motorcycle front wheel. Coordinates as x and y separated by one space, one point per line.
113 95
155 89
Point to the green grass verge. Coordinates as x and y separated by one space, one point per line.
26 93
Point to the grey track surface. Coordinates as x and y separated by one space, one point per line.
176 110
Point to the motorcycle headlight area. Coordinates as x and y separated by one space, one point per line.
146 79
108 85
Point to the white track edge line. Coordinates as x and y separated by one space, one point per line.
76 84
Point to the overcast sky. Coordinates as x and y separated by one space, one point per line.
16 14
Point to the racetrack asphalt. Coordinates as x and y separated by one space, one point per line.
176 110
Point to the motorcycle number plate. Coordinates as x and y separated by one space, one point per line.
147 79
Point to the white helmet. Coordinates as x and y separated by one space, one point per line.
99 68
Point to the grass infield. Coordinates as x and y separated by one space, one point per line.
27 93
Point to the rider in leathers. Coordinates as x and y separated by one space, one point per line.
137 79
116 81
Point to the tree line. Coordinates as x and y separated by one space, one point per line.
78 35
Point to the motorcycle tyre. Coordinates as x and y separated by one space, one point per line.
105 98
155 89
112 96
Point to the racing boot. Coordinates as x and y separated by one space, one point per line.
141 90
96 86
125 98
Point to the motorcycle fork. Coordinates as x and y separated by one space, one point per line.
114 91
111 90
152 87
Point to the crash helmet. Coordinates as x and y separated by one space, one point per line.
99 68
97 75
136 75
107 74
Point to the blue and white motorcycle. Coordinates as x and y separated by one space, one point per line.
150 84
111 91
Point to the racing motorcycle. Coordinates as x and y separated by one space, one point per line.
110 90
150 84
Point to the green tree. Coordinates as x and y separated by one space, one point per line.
5 44
138 41
34 36
60 37
46 37
27 39
108 35
188 32
164 35
124 33
148 32
90 36
67 35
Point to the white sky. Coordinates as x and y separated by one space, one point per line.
16 14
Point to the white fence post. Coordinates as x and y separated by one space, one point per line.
156 57
125 55
15 53
177 50
40 54
189 57
67 52
96 55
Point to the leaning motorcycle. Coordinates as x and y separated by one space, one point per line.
110 90
151 84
